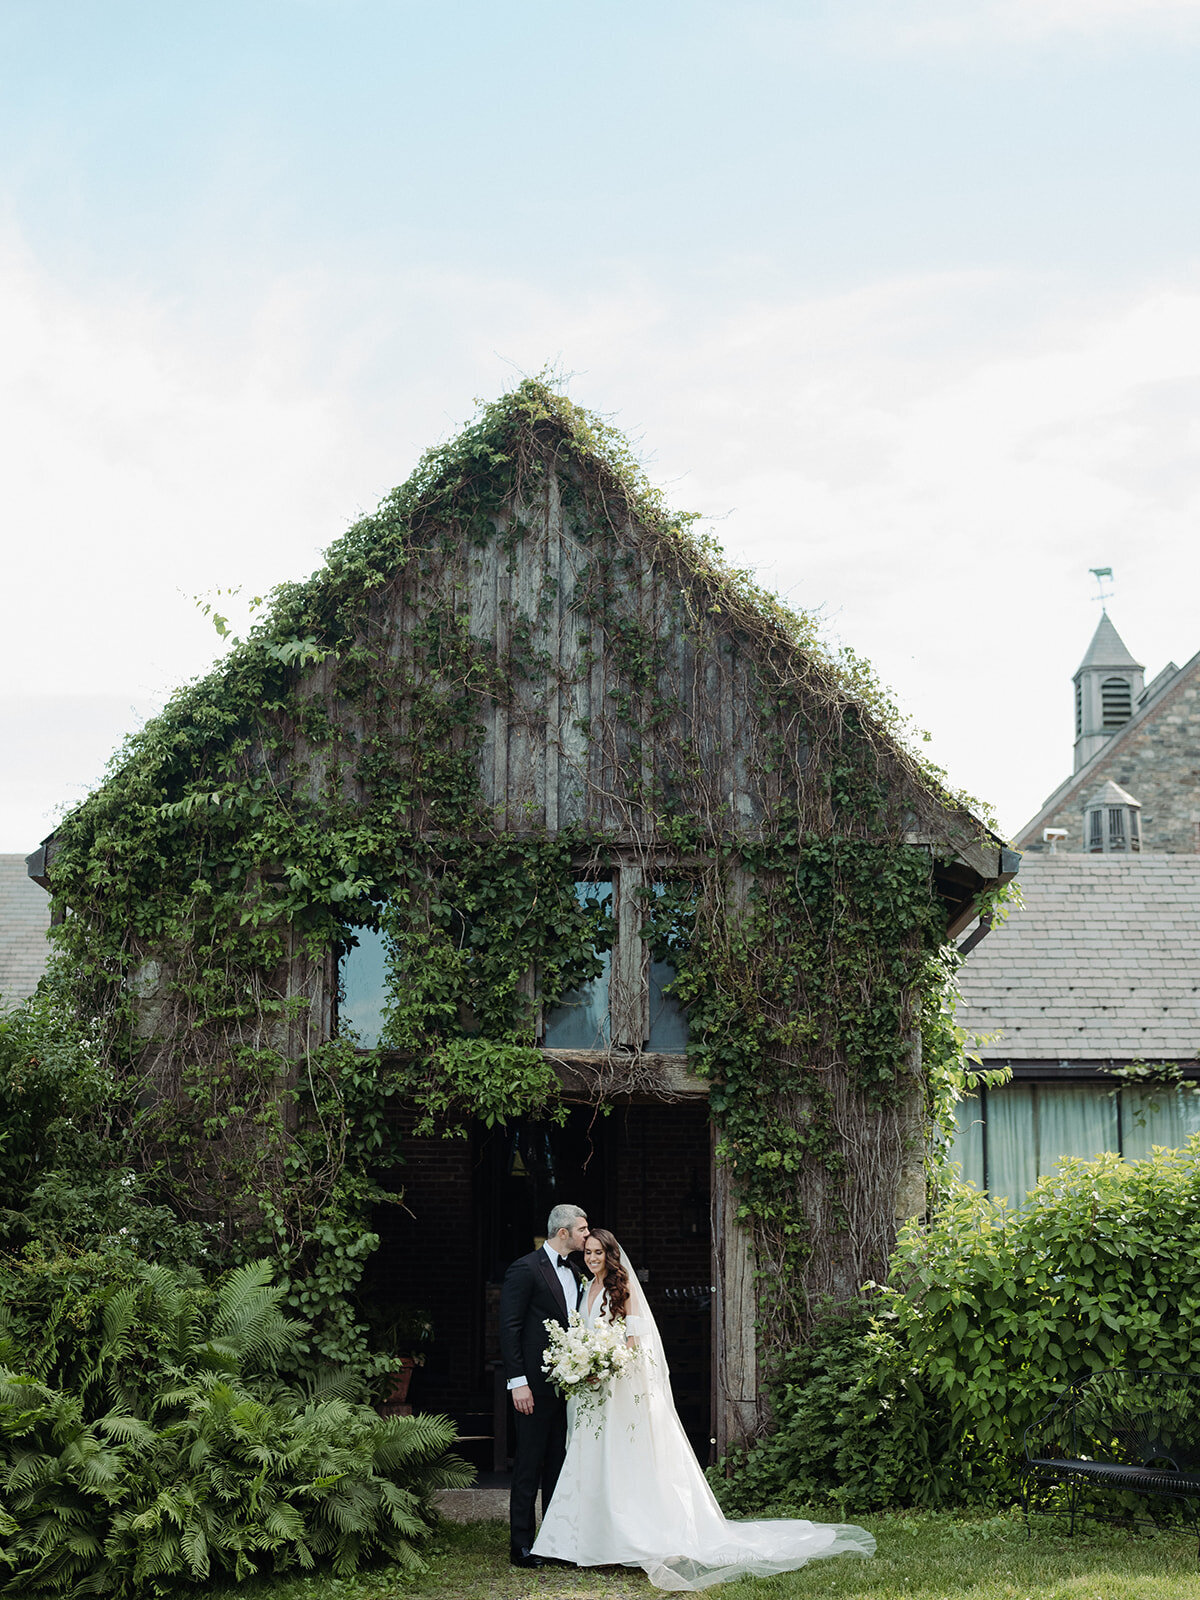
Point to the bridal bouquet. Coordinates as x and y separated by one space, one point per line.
581 1362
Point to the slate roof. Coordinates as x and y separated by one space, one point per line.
1102 964
1107 648
24 918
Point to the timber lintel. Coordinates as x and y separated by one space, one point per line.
633 1075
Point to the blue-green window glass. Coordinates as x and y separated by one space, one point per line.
362 987
668 1019
580 1021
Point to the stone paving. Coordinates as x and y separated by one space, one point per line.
482 1503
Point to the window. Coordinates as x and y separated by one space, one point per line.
1096 830
582 1020
1078 709
1008 1138
1113 828
1116 702
668 1028
362 987
629 1004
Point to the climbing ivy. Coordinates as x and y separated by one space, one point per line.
325 778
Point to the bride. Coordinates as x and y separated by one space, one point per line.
631 1491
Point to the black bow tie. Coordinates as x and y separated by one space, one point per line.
565 1264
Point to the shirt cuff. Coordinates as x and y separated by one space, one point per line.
518 1383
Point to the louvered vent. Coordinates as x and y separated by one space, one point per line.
1116 702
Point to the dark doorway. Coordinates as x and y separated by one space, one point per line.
471 1207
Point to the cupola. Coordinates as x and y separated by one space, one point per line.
1108 685
1112 822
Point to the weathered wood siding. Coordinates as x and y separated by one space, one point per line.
567 737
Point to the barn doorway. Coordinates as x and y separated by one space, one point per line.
471 1207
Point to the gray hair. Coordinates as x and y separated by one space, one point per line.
562 1217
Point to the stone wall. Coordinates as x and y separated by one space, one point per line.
1156 758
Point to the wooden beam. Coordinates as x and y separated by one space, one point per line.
629 997
636 1075
735 1305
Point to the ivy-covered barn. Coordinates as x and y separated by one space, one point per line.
527 852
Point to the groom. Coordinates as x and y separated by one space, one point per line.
537 1286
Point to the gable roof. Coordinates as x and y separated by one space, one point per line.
468 494
1159 701
1102 963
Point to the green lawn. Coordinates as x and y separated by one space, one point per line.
921 1556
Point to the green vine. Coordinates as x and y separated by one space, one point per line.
326 778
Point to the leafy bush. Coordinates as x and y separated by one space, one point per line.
155 1443
59 1104
1100 1268
856 1424
921 1397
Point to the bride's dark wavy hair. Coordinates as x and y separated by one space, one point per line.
616 1279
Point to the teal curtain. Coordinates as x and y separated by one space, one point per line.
1010 1137
1075 1119
967 1148
1009 1117
1165 1116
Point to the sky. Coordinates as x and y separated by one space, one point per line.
902 296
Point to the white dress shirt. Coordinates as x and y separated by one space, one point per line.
570 1289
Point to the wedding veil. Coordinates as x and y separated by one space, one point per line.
655 1375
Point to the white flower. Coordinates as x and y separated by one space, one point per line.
581 1362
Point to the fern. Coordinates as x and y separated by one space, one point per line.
204 1465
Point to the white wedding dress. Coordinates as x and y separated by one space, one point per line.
631 1492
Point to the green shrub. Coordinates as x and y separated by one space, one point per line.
59 1106
156 1441
1100 1268
855 1424
921 1395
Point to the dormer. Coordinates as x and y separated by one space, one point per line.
1112 822
1108 685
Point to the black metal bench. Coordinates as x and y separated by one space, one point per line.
1123 1430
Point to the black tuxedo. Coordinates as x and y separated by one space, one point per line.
534 1291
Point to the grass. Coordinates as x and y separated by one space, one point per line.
921 1556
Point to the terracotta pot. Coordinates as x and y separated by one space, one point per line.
396 1395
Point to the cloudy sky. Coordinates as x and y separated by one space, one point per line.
903 295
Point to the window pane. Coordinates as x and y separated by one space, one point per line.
1011 1160
967 1145
668 1019
362 975
1075 1119
1166 1116
580 1020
